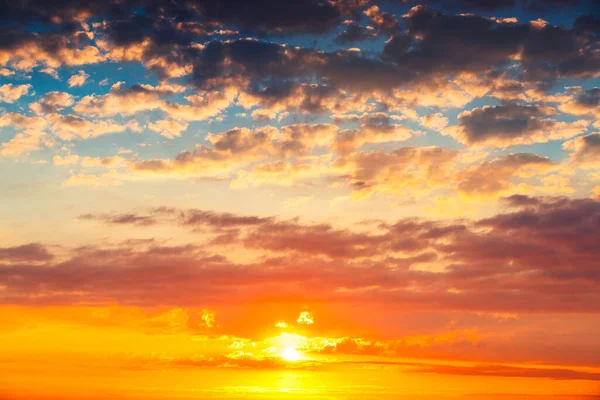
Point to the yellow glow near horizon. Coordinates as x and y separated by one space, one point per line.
291 354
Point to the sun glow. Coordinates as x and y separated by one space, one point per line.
291 354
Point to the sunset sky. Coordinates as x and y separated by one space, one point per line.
302 199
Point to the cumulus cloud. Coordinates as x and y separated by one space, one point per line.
302 98
168 128
50 71
237 147
10 93
70 127
383 21
52 102
140 98
25 142
30 134
69 159
5 72
78 79
418 169
512 124
119 101
436 122
374 128
24 50
494 177
453 43
585 151
586 103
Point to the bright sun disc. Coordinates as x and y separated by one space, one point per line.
290 354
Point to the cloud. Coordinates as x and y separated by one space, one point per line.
587 23
435 48
52 102
50 71
197 218
24 49
238 147
418 169
374 128
30 135
5 72
302 98
512 124
193 218
140 98
494 177
69 159
121 219
283 173
540 255
208 318
33 132
237 359
169 128
383 21
123 101
509 371
243 141
20 121
25 142
107 179
585 151
586 104
450 44
355 33
70 127
78 79
33 252
305 318
113 161
436 122
265 68
10 93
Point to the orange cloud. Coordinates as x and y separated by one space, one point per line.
78 79
585 151
52 102
10 93
494 177
168 128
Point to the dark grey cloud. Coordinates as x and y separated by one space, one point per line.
439 43
504 122
588 24
543 6
270 16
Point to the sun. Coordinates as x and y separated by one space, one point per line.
290 354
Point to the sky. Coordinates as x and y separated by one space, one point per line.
308 199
